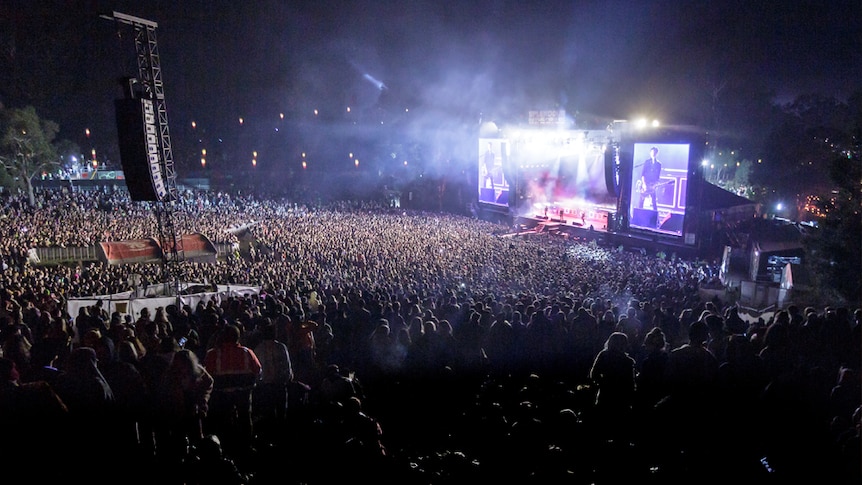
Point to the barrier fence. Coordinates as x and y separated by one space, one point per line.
60 255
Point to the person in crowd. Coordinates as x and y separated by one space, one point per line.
691 368
83 387
302 348
181 404
500 347
336 387
379 352
144 318
633 327
235 370
208 462
846 396
275 379
44 356
362 440
17 346
132 396
733 322
613 373
691 376
154 363
650 382
92 405
33 414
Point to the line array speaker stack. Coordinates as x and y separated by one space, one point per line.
138 134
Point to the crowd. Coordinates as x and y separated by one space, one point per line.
406 347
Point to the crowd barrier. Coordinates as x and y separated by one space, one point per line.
61 255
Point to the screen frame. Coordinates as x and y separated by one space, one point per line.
687 176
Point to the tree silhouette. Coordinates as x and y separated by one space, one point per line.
26 146
834 248
806 136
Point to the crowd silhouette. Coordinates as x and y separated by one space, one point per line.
406 347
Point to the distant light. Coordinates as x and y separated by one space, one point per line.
350 155
281 115
405 163
204 152
254 162
406 110
704 163
779 206
194 125
254 154
203 162
315 112
348 109
304 165
641 123
240 121
86 132
356 163
93 152
303 154
655 123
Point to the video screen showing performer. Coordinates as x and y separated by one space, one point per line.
650 178
493 186
659 181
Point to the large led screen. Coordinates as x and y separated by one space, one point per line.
550 173
493 180
659 182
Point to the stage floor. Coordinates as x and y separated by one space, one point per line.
597 229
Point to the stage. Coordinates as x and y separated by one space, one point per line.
600 228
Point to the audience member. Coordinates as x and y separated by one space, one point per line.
235 370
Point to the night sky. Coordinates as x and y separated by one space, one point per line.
426 67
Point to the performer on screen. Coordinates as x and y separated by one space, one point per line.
489 167
650 176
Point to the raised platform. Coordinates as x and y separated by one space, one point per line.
650 242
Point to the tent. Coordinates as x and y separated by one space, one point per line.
196 247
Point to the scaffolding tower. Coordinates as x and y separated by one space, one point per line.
149 84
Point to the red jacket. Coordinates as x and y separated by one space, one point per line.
232 366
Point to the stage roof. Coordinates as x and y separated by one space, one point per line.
717 198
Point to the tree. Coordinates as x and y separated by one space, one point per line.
795 163
741 182
834 248
26 146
